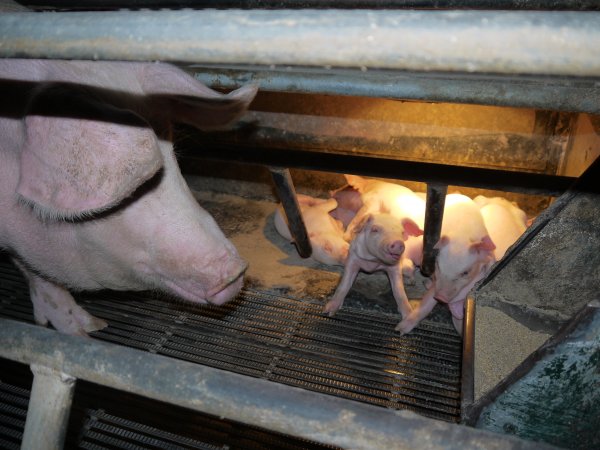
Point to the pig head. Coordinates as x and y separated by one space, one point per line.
90 191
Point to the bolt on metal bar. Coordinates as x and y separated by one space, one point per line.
49 409
284 186
254 401
508 42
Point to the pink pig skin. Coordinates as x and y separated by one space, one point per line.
324 232
90 191
466 252
378 244
349 202
505 222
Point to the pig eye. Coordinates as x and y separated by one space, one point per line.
464 274
375 229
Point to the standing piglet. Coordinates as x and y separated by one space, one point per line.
324 232
378 244
91 196
466 252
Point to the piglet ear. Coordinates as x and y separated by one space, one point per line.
364 222
355 181
187 100
73 166
484 248
444 240
410 228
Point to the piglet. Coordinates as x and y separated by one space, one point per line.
349 202
378 244
466 252
504 220
91 196
324 232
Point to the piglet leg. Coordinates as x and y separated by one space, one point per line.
419 313
53 303
351 269
394 273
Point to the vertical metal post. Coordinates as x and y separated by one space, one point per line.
287 194
434 214
467 391
49 408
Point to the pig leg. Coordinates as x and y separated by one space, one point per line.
408 270
394 273
419 313
54 304
351 269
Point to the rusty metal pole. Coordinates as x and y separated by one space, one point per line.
49 408
434 214
287 194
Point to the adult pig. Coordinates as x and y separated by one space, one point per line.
91 196
466 252
378 244
324 232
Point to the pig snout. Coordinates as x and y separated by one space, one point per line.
222 294
395 249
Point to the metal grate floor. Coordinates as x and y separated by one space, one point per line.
356 354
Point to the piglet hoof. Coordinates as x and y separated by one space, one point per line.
405 327
331 308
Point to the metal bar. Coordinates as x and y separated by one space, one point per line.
560 94
254 401
527 42
284 186
49 409
434 214
504 180
470 414
339 4
467 391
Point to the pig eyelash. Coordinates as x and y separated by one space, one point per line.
375 229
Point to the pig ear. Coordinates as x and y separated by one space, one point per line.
485 247
441 243
189 101
355 181
71 167
410 228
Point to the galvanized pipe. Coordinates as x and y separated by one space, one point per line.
49 409
526 42
559 94
254 401
434 214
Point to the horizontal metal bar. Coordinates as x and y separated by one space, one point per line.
526 42
249 400
339 4
561 94
503 180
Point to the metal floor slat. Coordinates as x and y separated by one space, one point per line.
356 354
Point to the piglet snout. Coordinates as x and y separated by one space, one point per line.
396 248
440 297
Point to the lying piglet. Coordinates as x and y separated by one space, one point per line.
378 244
91 196
349 202
324 232
466 252
505 222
